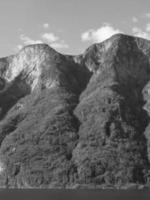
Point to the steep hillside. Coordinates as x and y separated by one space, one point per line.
76 121
112 149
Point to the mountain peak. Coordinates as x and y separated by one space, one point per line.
76 121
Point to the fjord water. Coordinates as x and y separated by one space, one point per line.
75 194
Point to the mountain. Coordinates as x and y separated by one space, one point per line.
76 121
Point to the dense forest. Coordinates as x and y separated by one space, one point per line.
76 121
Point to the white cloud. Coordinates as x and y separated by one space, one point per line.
148 27
100 34
54 41
140 33
147 15
50 37
135 19
60 45
19 46
27 41
46 25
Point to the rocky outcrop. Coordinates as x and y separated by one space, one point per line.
76 121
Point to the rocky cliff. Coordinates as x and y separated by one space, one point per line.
76 121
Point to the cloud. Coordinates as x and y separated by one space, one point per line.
27 41
135 19
19 46
60 45
46 25
148 27
50 37
100 34
140 33
147 15
54 41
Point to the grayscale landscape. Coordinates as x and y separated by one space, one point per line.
75 99
76 121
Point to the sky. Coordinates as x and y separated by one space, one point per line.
69 26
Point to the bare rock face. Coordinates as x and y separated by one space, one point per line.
76 121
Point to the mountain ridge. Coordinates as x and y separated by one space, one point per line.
76 121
